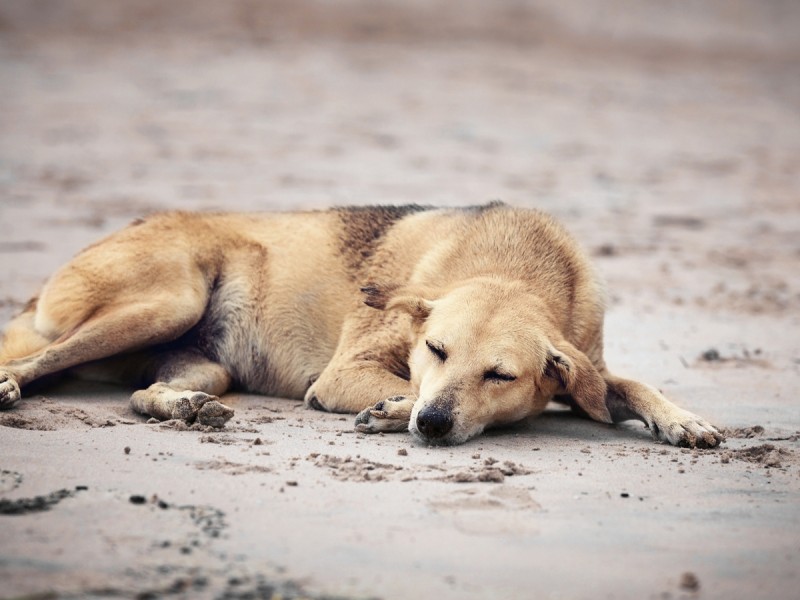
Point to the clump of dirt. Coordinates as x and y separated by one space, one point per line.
42 414
768 455
259 586
18 422
210 520
225 440
354 469
768 295
22 506
88 419
679 222
239 428
743 432
689 582
265 419
180 425
231 468
361 469
488 472
9 480
744 358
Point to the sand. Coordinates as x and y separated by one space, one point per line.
665 137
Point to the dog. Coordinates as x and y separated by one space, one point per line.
439 321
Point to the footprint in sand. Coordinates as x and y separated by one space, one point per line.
489 511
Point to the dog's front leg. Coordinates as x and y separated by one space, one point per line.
351 386
627 399
392 414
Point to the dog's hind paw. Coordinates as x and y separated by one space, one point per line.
686 429
214 413
9 391
186 406
202 408
392 414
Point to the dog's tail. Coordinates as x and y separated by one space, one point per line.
21 338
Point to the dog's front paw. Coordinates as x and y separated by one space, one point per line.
9 391
682 428
392 414
311 399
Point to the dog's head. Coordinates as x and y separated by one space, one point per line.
486 353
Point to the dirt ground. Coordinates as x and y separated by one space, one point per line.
664 134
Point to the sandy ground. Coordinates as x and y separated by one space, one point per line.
665 135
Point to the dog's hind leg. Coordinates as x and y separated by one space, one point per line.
627 399
111 330
20 339
186 386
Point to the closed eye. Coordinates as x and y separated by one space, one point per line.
437 350
497 376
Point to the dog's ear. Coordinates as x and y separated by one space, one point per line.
411 299
376 295
417 306
579 378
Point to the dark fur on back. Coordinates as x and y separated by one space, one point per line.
364 226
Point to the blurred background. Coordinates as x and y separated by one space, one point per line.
664 131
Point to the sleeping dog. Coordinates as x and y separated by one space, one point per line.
440 321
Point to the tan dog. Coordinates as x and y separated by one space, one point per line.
440 321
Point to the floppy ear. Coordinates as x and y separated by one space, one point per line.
417 306
390 297
578 376
376 295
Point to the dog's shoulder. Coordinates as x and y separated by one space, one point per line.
362 228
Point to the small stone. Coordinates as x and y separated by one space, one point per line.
402 452
127 450
690 582
137 499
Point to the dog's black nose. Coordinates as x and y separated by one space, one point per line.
434 423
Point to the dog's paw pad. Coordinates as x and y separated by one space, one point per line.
391 414
9 391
